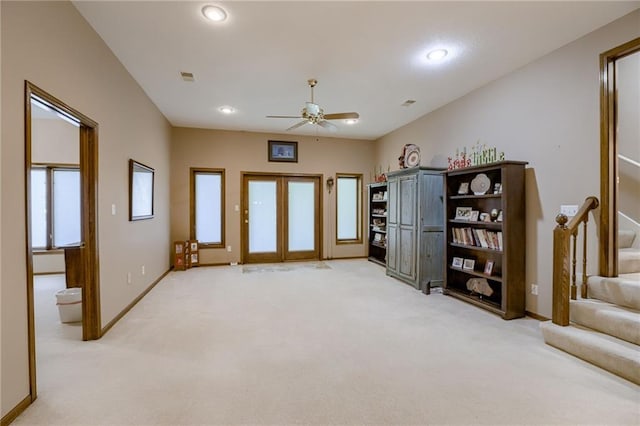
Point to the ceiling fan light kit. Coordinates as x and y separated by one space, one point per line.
313 114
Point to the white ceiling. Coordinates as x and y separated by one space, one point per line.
367 56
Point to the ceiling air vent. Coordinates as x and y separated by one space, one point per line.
408 102
187 76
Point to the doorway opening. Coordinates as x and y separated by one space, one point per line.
61 206
282 219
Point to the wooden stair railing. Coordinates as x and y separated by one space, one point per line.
565 255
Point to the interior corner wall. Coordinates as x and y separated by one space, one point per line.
546 113
52 46
238 152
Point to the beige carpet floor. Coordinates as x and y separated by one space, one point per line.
334 344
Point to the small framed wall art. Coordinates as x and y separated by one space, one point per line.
140 191
283 151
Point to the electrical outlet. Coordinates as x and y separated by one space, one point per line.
229 249
569 210
128 277
113 209
142 269
534 289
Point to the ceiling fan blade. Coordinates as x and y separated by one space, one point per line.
329 126
341 115
295 126
283 116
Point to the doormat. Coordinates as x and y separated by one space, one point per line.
284 267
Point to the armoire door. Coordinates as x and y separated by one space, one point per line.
281 218
407 226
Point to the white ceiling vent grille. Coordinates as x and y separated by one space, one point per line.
187 76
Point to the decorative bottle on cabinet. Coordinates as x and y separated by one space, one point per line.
378 222
485 248
415 226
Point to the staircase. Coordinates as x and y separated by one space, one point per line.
605 327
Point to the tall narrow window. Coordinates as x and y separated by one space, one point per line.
55 207
66 207
39 202
348 208
207 207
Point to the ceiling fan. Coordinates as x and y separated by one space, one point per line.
313 114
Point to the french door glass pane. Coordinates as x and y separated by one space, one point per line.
208 208
38 208
347 193
66 207
301 216
263 213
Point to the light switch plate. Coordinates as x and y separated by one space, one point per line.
569 210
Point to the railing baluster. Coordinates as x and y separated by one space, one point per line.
583 289
574 256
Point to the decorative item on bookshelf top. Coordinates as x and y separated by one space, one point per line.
379 176
478 155
409 157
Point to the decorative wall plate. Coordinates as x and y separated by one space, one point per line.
412 158
480 184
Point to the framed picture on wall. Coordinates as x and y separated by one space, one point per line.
283 151
140 191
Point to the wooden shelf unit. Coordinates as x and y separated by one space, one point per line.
507 279
377 222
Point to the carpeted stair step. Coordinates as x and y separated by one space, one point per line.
628 260
623 291
614 355
623 323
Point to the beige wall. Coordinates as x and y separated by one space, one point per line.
50 44
628 138
54 141
247 152
546 113
47 263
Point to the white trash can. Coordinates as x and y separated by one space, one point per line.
69 303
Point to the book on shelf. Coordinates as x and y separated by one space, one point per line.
477 238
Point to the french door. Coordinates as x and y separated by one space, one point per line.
280 218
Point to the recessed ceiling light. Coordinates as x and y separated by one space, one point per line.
227 109
351 121
437 55
214 13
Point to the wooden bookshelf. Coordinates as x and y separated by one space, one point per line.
498 239
377 222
